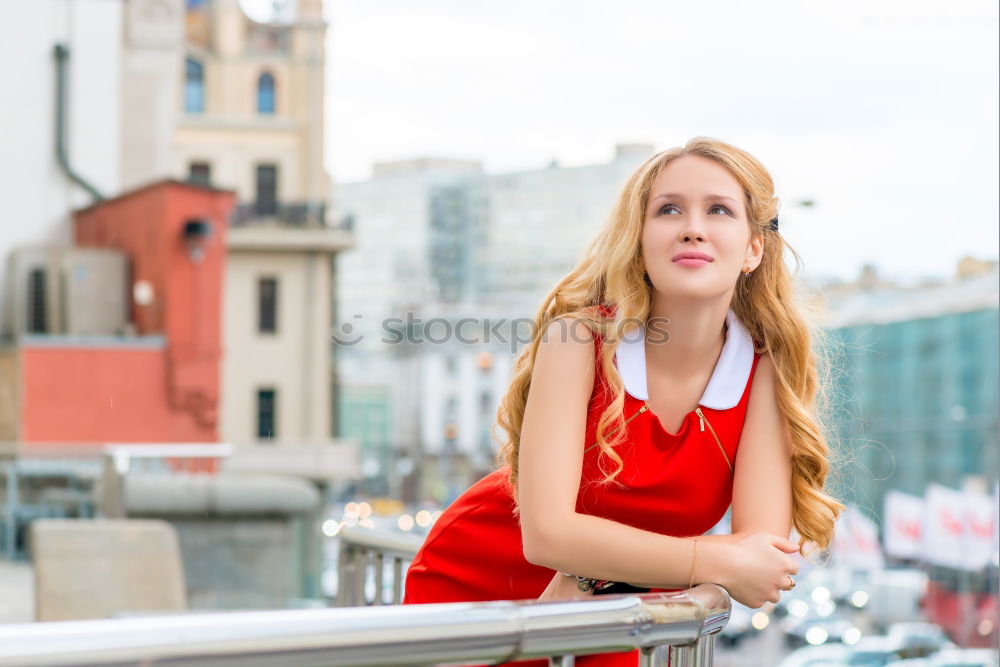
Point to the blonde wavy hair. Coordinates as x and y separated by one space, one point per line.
611 273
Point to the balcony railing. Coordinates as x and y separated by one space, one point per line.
364 555
291 214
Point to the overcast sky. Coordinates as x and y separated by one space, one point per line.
885 113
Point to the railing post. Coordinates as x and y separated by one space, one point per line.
359 556
379 577
345 577
112 500
10 523
699 654
705 650
647 656
397 580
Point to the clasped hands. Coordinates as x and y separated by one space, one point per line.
754 568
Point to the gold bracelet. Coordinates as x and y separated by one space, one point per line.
694 554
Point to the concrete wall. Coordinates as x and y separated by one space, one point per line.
247 541
101 569
252 563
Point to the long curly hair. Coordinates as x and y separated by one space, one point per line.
611 272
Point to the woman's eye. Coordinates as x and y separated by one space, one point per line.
670 206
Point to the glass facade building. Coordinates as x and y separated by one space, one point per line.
916 399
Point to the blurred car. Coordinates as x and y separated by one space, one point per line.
796 602
918 639
953 657
814 629
824 655
872 651
740 625
895 596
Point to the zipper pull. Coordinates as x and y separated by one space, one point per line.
701 417
645 406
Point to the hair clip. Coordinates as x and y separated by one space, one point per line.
774 223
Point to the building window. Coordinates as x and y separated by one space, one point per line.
267 305
267 189
200 173
265 93
194 86
266 414
37 310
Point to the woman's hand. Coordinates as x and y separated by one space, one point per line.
564 588
758 568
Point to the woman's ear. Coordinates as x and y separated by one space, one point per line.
755 252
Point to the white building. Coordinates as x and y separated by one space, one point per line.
440 239
37 187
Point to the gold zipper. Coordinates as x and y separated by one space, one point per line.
702 419
701 416
645 406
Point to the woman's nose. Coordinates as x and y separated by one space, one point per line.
691 232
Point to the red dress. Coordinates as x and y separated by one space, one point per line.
682 488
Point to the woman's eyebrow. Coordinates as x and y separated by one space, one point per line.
677 195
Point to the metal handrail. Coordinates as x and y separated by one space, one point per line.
668 628
397 544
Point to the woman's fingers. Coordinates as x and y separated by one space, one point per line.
784 544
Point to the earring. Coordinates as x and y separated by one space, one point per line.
747 271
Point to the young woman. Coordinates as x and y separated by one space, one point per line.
672 374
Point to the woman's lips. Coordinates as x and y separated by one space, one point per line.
691 261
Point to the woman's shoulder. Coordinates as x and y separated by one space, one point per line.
592 320
582 326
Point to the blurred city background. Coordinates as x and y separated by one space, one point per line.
264 265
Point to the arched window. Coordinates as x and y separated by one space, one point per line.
194 86
265 93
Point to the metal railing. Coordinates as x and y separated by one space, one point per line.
675 629
363 550
364 555
290 214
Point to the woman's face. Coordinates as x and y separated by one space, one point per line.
697 206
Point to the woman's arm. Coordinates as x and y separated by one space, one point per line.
562 587
703 540
762 487
550 468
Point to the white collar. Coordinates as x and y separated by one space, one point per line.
728 381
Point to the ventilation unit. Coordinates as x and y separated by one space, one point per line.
71 291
